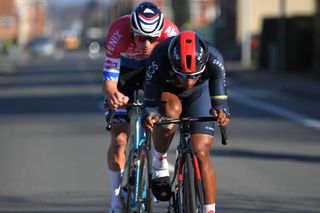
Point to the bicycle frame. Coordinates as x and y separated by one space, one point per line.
185 158
139 137
184 148
137 146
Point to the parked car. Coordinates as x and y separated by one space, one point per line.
42 46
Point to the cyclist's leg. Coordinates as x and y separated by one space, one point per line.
116 152
202 139
116 155
116 161
120 133
201 144
163 136
171 108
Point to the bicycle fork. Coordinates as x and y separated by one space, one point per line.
178 193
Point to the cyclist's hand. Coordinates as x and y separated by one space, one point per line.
117 100
221 116
149 122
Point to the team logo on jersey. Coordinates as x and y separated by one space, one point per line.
209 128
218 63
115 38
151 70
170 31
110 64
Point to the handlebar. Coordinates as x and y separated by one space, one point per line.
110 120
184 120
223 133
223 130
112 112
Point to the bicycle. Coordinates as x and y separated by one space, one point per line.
136 184
188 196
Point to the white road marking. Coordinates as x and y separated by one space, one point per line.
276 110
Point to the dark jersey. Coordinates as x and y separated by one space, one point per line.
160 78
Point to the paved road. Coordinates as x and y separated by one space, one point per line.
272 162
53 142
52 156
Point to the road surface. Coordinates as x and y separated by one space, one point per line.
53 141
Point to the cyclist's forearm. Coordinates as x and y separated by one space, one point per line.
110 87
218 94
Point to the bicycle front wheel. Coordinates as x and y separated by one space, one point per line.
145 198
192 194
129 180
189 200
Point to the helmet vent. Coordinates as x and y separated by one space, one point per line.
188 57
188 41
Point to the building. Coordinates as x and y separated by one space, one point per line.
32 19
8 20
22 20
281 25
236 26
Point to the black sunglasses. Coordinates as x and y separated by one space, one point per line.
145 38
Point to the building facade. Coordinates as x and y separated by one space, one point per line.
22 20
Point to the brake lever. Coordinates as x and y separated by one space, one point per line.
223 133
110 119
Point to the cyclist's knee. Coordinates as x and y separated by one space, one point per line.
120 140
202 155
172 107
119 134
201 146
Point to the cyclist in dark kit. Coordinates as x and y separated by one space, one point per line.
185 77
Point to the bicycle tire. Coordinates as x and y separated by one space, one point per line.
130 185
178 201
145 197
189 191
198 186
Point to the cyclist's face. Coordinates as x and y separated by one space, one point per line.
188 82
145 44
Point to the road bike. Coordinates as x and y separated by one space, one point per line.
136 183
188 196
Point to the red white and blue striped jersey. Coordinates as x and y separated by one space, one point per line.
121 49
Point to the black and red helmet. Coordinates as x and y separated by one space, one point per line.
188 53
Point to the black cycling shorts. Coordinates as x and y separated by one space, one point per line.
196 103
129 80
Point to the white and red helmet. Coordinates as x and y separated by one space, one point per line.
147 20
